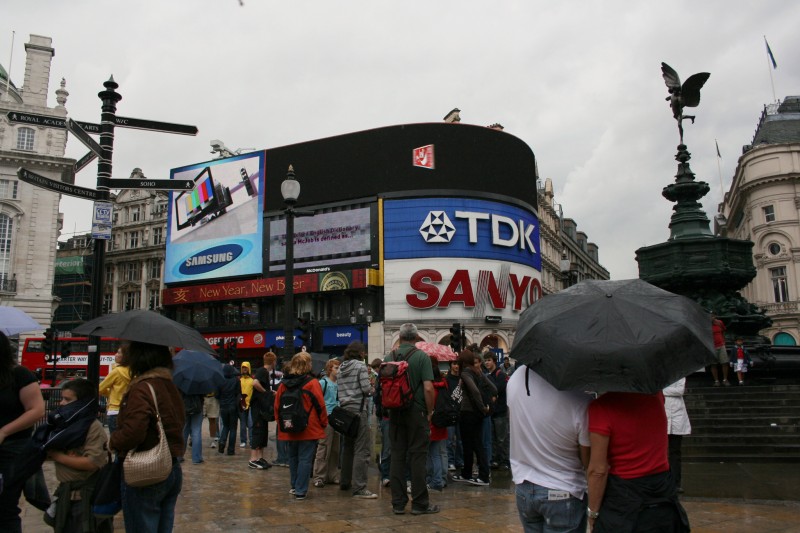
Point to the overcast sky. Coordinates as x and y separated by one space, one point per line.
579 82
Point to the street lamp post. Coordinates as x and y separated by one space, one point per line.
362 321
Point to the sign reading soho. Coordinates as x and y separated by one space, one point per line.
456 258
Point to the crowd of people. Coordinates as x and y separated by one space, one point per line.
612 462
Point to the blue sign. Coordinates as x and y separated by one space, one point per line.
340 335
274 337
460 227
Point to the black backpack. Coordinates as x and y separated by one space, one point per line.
292 414
446 410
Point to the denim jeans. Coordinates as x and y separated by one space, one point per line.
111 420
193 427
436 475
500 441
386 449
455 452
152 508
301 458
245 427
229 416
486 436
281 448
10 454
542 510
355 458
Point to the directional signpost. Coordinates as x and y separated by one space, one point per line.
101 219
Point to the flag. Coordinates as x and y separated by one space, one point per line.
769 53
718 154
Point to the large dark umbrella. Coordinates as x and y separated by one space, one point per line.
197 372
614 336
145 326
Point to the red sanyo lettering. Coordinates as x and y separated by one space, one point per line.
525 290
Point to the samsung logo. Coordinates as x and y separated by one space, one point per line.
211 259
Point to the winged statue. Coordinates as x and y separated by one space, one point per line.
686 95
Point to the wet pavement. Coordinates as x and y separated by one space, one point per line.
223 494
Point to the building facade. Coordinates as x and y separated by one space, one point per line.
763 205
29 217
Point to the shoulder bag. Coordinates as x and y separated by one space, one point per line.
346 422
152 466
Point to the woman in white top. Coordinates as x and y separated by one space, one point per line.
678 425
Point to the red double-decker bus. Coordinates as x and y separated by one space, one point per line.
75 365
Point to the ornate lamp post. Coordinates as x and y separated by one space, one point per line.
361 321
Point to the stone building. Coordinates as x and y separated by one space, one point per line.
763 205
31 136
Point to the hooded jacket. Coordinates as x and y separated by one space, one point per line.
317 418
354 385
231 391
246 381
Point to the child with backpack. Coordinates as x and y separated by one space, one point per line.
302 419
437 469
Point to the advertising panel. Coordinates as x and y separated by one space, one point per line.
458 289
460 227
342 335
244 339
69 265
340 238
215 230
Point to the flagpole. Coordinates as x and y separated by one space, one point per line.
770 65
719 171
10 58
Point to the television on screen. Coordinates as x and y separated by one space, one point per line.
206 198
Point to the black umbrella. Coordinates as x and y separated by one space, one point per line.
626 336
145 326
197 372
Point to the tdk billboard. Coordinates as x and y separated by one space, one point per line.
460 227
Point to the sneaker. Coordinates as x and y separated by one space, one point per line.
716 383
494 465
221 449
264 464
292 492
385 482
741 383
242 444
398 510
431 509
365 494
319 484
461 479
276 463
451 468
478 481
437 489
408 487
256 465
726 382
299 496
213 443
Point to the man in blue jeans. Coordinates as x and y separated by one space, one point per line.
549 451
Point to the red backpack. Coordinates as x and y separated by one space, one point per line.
396 391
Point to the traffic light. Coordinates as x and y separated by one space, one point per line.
455 337
233 344
303 324
47 343
66 349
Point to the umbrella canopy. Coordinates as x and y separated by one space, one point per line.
197 372
145 326
626 336
13 321
439 351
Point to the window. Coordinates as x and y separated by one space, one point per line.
133 239
109 274
132 272
108 301
158 235
6 226
779 286
8 189
154 299
131 300
769 213
774 248
136 214
25 139
154 268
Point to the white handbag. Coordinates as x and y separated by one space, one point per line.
152 466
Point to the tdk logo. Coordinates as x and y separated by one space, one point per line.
210 259
505 231
437 227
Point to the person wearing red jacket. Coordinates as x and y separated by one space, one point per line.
437 469
302 445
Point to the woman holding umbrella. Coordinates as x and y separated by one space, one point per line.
630 485
21 405
150 508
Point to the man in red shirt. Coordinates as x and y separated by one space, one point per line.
718 330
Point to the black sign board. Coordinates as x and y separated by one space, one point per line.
74 128
167 185
85 160
124 122
493 319
64 188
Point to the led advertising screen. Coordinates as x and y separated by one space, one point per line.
336 238
461 227
215 230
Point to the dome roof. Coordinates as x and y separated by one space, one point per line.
4 77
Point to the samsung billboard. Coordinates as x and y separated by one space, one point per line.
216 229
460 227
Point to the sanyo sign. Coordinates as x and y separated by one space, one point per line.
461 227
